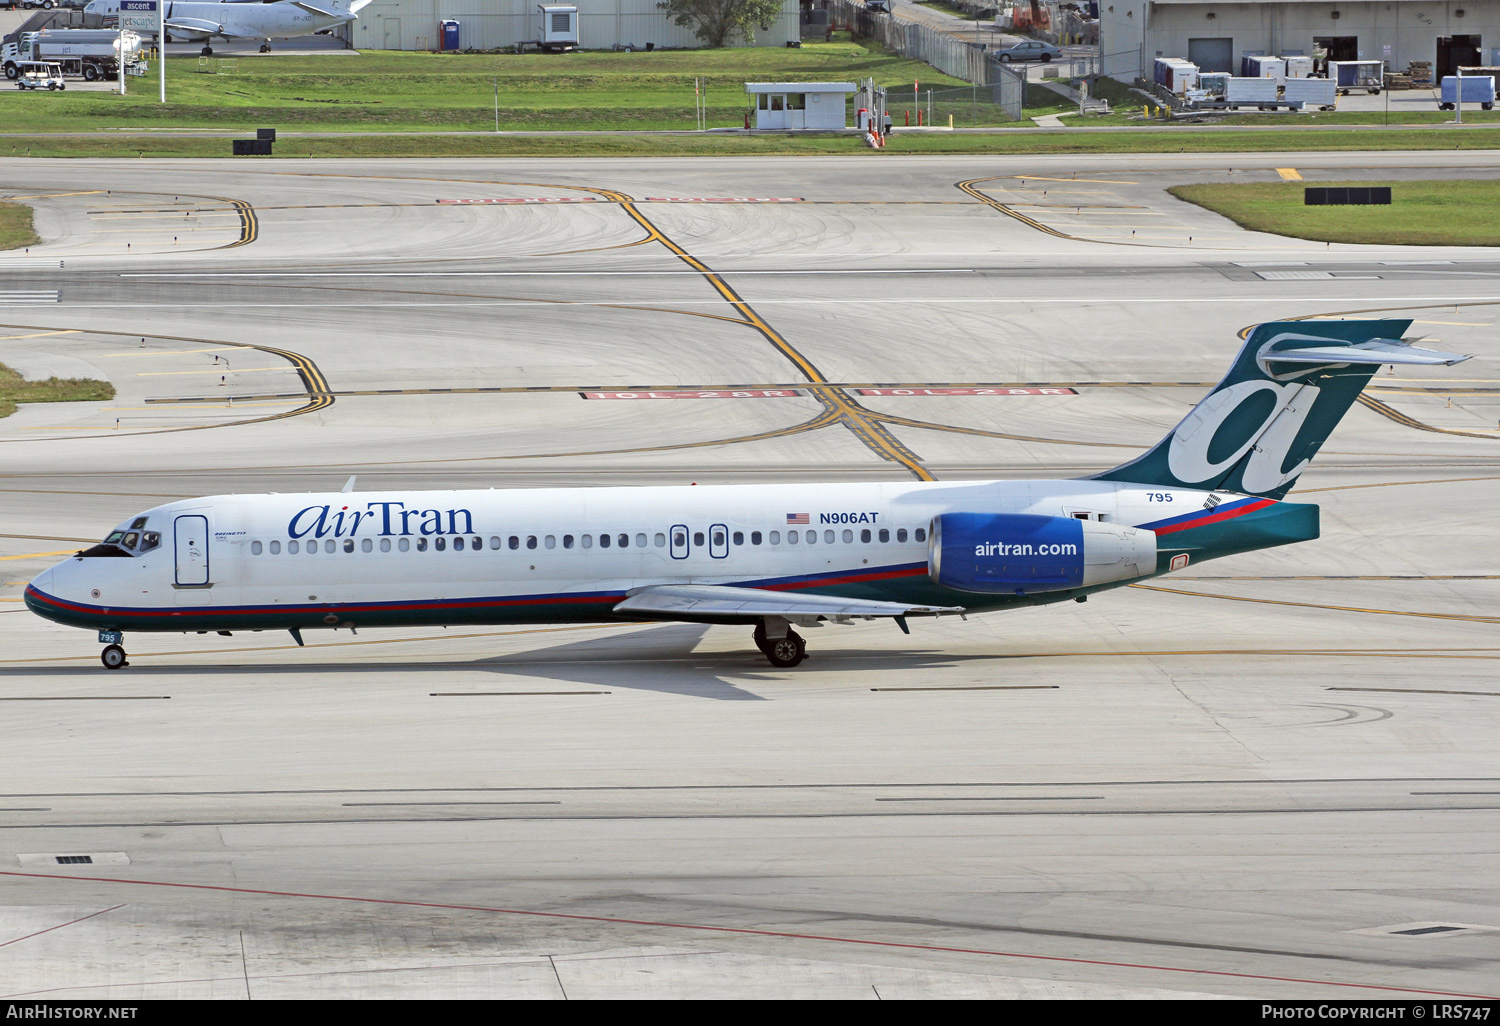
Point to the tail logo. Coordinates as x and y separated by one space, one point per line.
1271 437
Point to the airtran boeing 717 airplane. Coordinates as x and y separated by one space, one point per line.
771 557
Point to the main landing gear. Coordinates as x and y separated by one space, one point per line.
113 656
784 651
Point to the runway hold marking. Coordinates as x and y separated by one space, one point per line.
519 200
1289 173
966 391
753 393
705 928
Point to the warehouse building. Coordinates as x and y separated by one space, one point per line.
502 24
1214 36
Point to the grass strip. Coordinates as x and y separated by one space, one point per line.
712 145
16 389
15 226
1422 213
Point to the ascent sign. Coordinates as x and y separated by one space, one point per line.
139 16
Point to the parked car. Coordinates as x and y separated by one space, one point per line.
1027 50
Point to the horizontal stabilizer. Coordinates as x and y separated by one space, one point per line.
1374 351
716 600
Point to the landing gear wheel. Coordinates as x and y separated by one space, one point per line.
265 47
207 51
113 657
786 652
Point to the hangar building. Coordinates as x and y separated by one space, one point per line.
1214 36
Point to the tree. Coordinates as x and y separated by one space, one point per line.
714 21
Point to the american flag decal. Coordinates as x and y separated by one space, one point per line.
796 518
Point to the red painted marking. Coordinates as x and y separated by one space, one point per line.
746 931
1214 518
967 391
723 199
720 393
59 926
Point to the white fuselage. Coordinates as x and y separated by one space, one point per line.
497 556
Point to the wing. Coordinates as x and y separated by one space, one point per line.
721 602
311 9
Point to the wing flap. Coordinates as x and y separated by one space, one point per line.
716 600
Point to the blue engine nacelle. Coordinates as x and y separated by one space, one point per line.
1026 553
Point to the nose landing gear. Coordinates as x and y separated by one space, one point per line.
113 656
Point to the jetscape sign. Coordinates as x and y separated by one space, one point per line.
139 16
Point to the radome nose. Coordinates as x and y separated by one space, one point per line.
42 581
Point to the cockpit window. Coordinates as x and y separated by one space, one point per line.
128 542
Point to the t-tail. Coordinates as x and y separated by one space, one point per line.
1289 387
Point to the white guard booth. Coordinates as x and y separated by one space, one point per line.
800 105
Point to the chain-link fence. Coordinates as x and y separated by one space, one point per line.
950 55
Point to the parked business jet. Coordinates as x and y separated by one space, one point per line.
205 21
775 557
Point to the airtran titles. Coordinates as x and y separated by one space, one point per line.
378 518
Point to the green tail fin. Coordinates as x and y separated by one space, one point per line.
1289 387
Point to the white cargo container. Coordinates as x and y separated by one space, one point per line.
1310 92
1251 92
1298 67
1257 66
558 31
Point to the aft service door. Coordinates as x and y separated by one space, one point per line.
192 549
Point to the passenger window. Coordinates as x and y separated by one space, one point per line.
478 544
421 544
775 538
864 535
458 544
698 538
550 541
494 542
255 548
385 545
366 545
624 541
440 543
901 534
640 541
275 548
739 537
885 534
293 547
920 534
531 541
791 537
404 544
567 541
588 541
812 537
604 541
515 543
348 544
754 537
329 546
849 536
661 540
